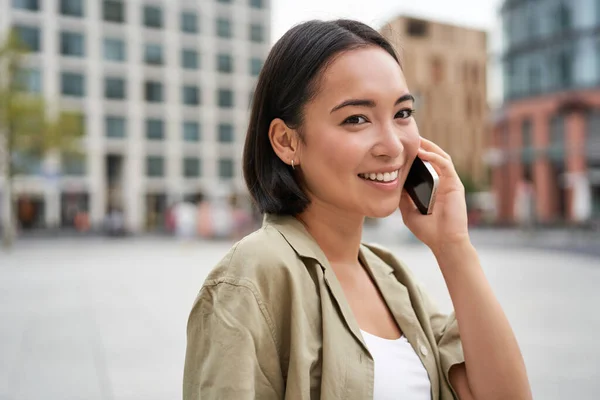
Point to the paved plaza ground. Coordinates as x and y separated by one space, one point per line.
105 319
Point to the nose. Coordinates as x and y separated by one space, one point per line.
389 143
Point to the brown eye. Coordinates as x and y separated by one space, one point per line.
355 120
405 113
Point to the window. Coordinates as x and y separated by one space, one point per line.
72 84
152 17
26 162
256 33
437 69
73 164
509 77
475 73
557 130
593 137
113 11
29 80
114 88
71 44
563 17
190 95
532 24
468 106
155 166
225 133
189 22
154 91
416 27
115 127
535 79
224 28
257 4
189 59
114 50
225 63
191 167
565 69
256 65
29 36
526 131
191 131
30 5
225 98
72 8
226 168
153 54
155 129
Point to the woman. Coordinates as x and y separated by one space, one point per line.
301 309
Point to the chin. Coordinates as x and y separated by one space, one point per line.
385 209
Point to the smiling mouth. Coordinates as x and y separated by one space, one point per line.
381 177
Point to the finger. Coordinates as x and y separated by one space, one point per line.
407 207
428 145
442 165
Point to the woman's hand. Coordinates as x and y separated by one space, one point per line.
447 225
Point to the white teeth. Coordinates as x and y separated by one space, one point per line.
381 177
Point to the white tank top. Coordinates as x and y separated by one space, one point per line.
399 373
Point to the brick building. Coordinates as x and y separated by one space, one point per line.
546 137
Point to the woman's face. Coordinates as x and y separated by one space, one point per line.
360 138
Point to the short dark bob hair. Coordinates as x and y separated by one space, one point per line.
289 80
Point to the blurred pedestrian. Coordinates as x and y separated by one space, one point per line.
185 220
115 222
204 220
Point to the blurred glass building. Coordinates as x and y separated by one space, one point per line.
164 87
546 136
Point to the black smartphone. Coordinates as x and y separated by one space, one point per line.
421 185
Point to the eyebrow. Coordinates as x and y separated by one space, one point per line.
369 103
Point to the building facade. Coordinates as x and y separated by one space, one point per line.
546 136
445 68
164 88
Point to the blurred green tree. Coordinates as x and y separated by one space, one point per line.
471 186
28 130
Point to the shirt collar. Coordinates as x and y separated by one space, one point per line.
297 236
386 277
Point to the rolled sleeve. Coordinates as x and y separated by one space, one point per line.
231 352
447 337
450 346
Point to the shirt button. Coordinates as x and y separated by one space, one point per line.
424 350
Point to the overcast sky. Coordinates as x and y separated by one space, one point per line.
476 13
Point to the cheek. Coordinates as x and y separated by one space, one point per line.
334 152
412 144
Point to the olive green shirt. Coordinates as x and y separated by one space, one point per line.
271 322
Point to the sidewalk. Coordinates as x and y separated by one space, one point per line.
556 239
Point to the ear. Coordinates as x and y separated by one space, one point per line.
284 140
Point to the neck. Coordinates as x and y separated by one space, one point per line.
337 233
